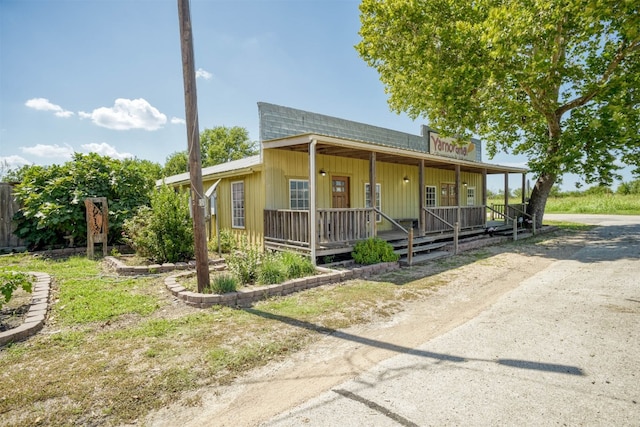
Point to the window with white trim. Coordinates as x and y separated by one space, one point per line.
471 196
430 196
299 194
367 199
237 204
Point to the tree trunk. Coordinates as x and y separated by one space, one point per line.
539 196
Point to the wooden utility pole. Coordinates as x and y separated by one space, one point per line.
193 143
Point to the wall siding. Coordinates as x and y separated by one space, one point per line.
399 199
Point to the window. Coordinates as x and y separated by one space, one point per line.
237 204
367 199
430 196
299 194
471 196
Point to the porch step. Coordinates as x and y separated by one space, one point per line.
424 257
420 248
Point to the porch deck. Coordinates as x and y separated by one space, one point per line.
338 230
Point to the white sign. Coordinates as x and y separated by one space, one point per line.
449 147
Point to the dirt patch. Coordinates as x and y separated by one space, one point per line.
468 284
13 313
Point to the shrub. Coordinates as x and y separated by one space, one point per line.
164 232
244 264
296 265
228 242
10 281
373 251
223 283
272 270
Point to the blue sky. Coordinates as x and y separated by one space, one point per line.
106 76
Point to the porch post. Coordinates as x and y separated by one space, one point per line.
313 226
421 198
524 188
484 194
506 196
372 190
458 193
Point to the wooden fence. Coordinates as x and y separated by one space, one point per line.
8 207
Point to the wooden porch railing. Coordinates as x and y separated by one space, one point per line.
287 226
334 225
344 225
444 218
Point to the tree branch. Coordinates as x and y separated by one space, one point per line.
623 52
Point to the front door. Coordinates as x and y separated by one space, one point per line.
448 195
340 192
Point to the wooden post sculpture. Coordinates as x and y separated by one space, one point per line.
97 223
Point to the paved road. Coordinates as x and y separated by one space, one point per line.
563 348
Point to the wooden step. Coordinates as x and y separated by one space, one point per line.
417 249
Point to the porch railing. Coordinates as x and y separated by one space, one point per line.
334 225
344 225
443 218
287 226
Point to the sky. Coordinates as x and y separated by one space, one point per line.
105 76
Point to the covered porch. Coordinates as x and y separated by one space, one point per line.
324 229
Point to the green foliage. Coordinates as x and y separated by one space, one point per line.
176 163
245 263
296 265
228 242
222 144
632 187
373 251
10 281
272 270
223 283
52 198
164 232
556 81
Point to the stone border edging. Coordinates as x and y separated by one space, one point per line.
244 298
136 270
34 319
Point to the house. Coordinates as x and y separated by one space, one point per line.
309 187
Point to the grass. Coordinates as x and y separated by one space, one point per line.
612 204
115 348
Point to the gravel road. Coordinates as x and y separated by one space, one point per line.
560 348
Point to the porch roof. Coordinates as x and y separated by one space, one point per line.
333 146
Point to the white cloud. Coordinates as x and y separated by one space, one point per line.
204 74
178 121
127 114
43 104
105 149
13 162
54 150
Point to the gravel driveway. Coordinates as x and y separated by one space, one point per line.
561 348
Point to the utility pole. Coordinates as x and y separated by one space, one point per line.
193 141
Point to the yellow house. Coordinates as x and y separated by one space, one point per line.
309 188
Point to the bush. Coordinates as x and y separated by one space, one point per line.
10 281
223 283
228 242
52 197
244 264
272 270
296 265
373 251
164 232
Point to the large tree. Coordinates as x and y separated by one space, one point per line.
557 81
222 144
217 145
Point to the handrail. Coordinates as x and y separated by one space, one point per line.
392 221
437 217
